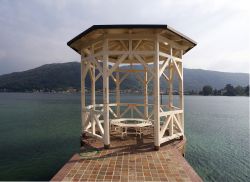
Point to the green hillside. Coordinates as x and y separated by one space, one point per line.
61 76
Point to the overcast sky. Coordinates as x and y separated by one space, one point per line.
35 32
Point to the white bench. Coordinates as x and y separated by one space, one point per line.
136 124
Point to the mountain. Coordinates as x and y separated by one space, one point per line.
195 79
57 76
61 76
49 76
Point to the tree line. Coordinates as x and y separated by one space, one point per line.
228 90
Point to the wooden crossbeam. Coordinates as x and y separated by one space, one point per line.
164 65
174 107
141 36
88 126
85 71
131 53
98 76
151 114
94 135
139 78
116 65
88 58
129 70
165 125
101 112
117 52
126 110
168 138
124 77
97 65
139 58
112 112
87 121
85 44
172 43
177 123
137 45
150 78
112 76
171 127
163 54
177 59
138 111
177 69
165 76
123 44
161 109
114 46
166 113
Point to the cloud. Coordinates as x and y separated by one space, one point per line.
35 32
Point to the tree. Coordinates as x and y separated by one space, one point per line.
247 90
239 90
192 92
215 92
230 91
207 90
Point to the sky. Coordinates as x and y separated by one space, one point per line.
35 32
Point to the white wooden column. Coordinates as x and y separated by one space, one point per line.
93 86
156 97
83 102
145 94
170 94
106 95
118 97
93 95
181 92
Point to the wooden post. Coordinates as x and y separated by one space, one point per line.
181 92
118 98
93 95
83 102
156 97
170 94
106 95
145 94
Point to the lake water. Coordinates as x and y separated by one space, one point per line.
40 132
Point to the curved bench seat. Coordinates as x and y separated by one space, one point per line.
137 124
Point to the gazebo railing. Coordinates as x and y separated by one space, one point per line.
171 124
93 121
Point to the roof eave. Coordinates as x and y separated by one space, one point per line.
130 26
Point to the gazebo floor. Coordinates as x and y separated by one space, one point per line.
129 159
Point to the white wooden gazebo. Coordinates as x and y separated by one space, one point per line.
152 53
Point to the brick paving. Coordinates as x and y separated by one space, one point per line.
130 159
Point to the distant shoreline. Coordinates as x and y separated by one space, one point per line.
136 94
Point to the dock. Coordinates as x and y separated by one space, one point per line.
132 159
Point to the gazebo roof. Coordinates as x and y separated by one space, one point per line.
96 31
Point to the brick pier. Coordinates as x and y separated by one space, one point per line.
130 159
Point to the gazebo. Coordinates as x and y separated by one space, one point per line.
153 55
